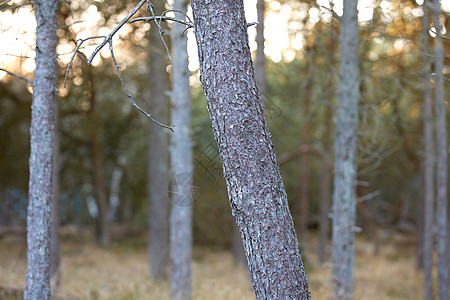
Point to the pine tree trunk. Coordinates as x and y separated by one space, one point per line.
41 153
158 156
344 194
304 162
325 185
441 160
428 165
181 165
256 192
98 172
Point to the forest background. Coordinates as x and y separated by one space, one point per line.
301 77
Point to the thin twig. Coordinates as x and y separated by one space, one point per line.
16 6
129 94
433 30
163 19
5 2
76 51
109 36
18 76
66 26
161 31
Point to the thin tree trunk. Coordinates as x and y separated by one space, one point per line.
441 160
256 192
325 185
304 165
55 274
98 176
344 194
41 153
181 165
158 156
429 163
260 62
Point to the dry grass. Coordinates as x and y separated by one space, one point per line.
121 272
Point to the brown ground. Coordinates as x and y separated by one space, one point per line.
120 272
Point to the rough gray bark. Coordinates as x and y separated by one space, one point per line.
344 194
55 272
256 192
441 160
260 62
428 144
158 156
181 165
41 153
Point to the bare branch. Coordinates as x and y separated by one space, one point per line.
18 76
369 196
129 94
114 31
5 2
66 26
76 51
15 6
162 19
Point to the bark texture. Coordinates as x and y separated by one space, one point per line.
41 153
344 194
158 156
181 165
428 143
441 160
256 192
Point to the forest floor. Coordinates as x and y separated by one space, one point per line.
121 272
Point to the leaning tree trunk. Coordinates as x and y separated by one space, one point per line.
344 194
256 192
441 159
181 166
428 144
158 156
41 153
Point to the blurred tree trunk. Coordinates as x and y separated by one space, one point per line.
41 153
441 159
98 175
181 165
55 274
158 156
260 62
256 192
429 162
344 194
325 185
304 165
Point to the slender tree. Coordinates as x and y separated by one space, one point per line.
158 155
441 158
181 165
41 153
428 143
256 192
344 194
